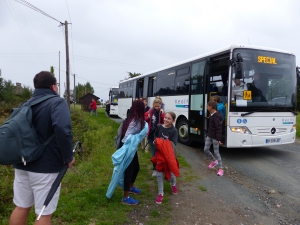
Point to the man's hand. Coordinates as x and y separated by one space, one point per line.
220 143
70 164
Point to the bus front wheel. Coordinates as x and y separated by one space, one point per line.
183 134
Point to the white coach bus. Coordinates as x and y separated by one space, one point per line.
112 109
261 114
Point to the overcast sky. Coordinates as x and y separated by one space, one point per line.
108 38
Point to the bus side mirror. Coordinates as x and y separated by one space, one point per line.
239 70
239 66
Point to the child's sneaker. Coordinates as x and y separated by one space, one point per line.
220 172
135 191
174 190
154 173
213 164
159 199
129 201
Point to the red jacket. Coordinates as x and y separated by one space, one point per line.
149 119
93 105
165 158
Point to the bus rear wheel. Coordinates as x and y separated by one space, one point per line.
183 134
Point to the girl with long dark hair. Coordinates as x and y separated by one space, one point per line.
133 125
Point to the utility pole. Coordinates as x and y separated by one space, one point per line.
67 64
74 92
59 71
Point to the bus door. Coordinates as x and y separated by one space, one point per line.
145 89
218 85
197 106
139 88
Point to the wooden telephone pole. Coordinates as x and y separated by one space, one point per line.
74 92
67 65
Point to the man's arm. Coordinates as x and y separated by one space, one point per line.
61 123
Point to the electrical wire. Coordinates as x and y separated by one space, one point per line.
71 35
36 9
91 81
19 22
109 61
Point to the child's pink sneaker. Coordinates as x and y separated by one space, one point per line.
220 172
213 164
159 199
174 190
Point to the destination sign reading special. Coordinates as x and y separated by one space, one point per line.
266 59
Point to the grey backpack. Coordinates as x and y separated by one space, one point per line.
18 138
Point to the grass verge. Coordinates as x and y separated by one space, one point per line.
83 200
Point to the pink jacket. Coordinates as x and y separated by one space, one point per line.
149 120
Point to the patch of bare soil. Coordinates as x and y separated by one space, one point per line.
207 199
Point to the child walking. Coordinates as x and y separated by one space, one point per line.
154 116
133 125
214 134
165 155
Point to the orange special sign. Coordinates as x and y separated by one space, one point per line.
266 59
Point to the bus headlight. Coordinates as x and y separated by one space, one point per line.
241 130
293 128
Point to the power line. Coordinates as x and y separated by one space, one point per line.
36 9
88 80
27 28
71 35
19 22
83 58
110 61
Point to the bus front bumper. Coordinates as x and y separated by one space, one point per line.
236 140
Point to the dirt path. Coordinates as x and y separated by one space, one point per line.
231 199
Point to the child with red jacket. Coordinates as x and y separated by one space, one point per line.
167 165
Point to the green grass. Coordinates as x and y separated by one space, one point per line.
202 188
298 125
82 200
83 193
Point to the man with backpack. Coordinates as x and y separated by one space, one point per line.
33 180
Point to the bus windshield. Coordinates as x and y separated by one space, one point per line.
268 81
114 96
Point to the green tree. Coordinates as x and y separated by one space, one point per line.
131 75
7 91
52 70
82 90
298 88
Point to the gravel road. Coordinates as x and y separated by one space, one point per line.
260 186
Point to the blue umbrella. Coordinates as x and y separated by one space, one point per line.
57 181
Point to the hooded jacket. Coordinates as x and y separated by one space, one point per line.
215 126
51 117
165 158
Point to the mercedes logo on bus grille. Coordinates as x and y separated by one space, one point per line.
273 130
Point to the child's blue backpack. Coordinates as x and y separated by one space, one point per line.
18 138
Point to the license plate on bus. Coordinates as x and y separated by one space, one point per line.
273 140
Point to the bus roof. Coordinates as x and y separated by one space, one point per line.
208 54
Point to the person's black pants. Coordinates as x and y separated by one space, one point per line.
131 172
